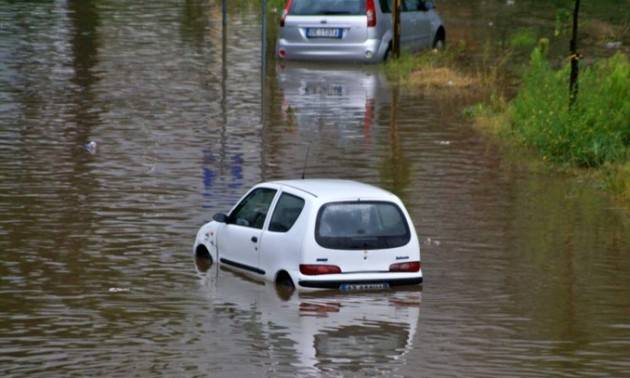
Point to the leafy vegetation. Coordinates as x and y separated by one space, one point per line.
594 133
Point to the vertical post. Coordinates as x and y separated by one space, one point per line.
396 23
224 77
575 58
224 12
223 61
263 56
263 75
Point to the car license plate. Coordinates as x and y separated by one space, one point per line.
365 286
323 33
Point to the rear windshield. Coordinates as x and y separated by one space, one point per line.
327 7
361 225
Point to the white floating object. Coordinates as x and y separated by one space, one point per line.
90 147
444 142
510 2
613 45
118 290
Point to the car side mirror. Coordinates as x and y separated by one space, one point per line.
220 217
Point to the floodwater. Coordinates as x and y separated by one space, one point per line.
527 273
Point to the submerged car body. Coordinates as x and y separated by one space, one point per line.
316 234
355 30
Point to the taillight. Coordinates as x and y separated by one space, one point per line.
315 269
411 266
285 12
370 13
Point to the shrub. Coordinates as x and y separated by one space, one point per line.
594 131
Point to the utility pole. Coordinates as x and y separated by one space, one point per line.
575 57
263 49
396 22
263 41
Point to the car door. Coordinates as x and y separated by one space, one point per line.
419 29
239 239
423 26
282 244
407 25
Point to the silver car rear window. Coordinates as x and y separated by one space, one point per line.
327 7
361 225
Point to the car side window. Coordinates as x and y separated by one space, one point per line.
287 211
252 210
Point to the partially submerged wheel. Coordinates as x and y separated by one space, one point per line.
284 279
439 42
201 252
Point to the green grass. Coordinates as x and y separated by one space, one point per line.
592 137
407 63
595 131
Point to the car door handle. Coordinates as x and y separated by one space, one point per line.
254 239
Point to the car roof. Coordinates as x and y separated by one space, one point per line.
335 189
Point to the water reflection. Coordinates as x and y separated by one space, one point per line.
320 333
318 98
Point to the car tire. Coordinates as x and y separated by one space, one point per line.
439 43
201 252
284 279
388 53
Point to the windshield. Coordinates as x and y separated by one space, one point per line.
361 225
327 7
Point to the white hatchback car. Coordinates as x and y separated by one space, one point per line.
316 234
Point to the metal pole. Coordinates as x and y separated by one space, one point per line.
263 50
224 76
263 74
575 58
224 11
396 22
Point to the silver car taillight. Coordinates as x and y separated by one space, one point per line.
370 13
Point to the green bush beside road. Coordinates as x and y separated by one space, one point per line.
593 133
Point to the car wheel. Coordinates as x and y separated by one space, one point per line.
388 53
201 252
285 280
439 43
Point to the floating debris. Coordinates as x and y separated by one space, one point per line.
90 147
444 142
429 241
510 2
118 290
491 24
613 45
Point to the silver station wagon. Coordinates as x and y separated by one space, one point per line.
355 30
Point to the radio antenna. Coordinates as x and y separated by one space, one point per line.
308 148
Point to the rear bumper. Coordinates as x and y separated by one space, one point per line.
335 284
369 51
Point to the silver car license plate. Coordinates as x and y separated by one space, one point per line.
323 32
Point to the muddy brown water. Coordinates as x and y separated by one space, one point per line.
526 273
